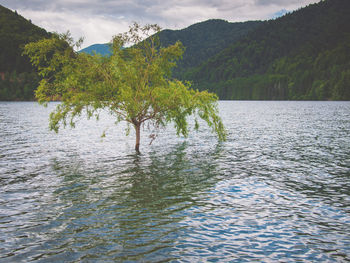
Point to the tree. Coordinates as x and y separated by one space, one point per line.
134 83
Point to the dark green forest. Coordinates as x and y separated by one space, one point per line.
201 41
204 40
18 79
304 55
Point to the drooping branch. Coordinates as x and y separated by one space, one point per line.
134 83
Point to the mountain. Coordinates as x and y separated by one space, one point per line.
304 55
201 40
205 39
102 49
18 79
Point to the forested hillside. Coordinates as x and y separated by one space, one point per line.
201 40
205 39
102 49
303 55
17 77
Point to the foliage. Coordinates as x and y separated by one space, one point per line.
204 40
303 55
134 83
18 78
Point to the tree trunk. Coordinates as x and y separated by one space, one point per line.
137 129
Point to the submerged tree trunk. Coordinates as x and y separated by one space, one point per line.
137 129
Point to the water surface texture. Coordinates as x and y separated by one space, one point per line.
278 190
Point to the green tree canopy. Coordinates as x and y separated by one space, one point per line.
134 83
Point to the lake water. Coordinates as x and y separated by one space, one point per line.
278 190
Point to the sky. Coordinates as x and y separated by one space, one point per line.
99 20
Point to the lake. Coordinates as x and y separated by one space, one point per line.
278 190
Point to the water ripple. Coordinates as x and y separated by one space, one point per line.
277 191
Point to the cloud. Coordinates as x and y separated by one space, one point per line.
94 29
98 21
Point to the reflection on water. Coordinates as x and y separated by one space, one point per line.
277 190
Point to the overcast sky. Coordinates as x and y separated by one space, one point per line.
98 20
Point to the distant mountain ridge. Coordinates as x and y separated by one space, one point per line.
18 78
15 32
304 55
102 49
205 39
201 40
